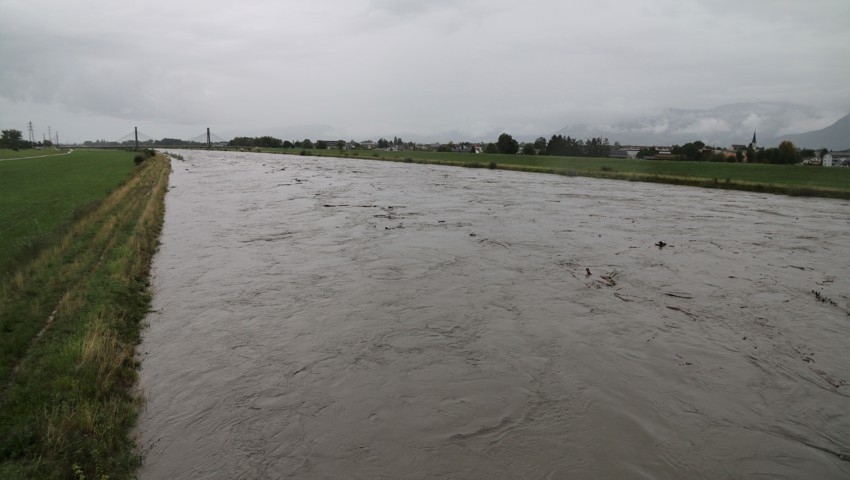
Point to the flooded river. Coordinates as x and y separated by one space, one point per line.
354 319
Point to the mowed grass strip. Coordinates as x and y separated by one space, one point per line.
70 321
40 195
783 179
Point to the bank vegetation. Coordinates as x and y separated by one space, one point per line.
70 320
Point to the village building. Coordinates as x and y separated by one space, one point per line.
754 144
836 159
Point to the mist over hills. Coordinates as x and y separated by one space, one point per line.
720 126
833 137
723 126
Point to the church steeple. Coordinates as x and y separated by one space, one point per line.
754 143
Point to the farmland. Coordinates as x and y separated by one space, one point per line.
39 195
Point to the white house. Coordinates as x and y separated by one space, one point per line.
837 159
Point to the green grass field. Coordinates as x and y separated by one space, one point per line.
785 179
6 154
70 316
39 195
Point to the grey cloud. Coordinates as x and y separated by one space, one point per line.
372 67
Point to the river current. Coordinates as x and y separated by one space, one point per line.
353 319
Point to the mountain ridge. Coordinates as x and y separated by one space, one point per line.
833 137
723 125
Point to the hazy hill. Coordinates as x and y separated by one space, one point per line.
721 126
833 137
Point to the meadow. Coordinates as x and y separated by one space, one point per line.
71 311
782 179
39 195
6 154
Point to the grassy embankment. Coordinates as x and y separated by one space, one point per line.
70 313
782 179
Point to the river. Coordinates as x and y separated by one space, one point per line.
355 319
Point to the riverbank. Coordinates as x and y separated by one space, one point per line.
71 320
795 180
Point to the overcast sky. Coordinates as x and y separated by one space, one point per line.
360 69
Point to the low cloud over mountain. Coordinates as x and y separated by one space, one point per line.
721 126
833 137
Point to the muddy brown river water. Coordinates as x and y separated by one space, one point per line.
354 319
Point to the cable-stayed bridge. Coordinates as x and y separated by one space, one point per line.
137 138
207 137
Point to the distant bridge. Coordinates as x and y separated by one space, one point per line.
137 138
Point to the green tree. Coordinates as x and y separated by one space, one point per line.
268 142
490 148
647 152
321 145
788 152
263 142
306 143
715 157
597 147
528 149
557 146
540 144
11 139
506 144
689 151
241 142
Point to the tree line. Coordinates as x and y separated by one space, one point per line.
698 151
14 139
272 142
558 145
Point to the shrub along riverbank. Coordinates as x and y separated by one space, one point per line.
70 321
782 179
